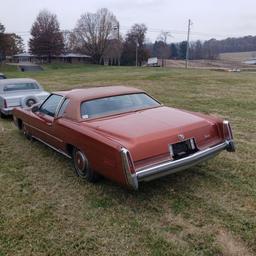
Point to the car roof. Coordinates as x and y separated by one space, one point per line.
84 94
17 80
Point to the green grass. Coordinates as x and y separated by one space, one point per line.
209 209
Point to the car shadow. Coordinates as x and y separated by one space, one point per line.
181 182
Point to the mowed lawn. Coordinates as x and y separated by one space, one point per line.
209 209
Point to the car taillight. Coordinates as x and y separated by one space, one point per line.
127 161
227 131
5 103
129 168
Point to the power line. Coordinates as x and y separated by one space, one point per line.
156 30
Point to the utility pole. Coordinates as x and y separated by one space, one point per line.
137 53
187 52
117 27
118 31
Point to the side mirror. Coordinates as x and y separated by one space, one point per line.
35 108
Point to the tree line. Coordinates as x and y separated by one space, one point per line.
98 35
10 43
209 49
95 34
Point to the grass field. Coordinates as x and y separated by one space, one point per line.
207 210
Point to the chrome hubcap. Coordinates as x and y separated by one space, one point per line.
81 162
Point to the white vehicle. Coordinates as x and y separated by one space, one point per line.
2 76
18 92
153 62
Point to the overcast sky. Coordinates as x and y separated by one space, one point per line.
211 18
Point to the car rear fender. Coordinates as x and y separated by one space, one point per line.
102 152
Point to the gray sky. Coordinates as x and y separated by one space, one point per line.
211 18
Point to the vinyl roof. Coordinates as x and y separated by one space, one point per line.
98 92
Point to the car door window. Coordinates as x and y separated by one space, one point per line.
50 105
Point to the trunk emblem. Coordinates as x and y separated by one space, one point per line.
181 137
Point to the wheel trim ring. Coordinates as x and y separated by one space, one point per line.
81 163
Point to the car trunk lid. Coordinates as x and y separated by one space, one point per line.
148 133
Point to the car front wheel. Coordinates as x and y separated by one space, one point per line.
82 166
25 131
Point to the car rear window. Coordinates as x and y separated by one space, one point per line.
116 104
20 86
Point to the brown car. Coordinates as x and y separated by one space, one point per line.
123 133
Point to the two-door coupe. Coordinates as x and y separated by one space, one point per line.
123 133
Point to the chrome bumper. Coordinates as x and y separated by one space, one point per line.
7 111
169 167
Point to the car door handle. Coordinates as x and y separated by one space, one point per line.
49 124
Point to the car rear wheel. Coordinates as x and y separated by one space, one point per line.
82 166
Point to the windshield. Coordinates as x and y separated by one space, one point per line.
116 104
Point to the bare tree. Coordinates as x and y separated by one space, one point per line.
94 30
112 54
164 35
66 40
47 39
135 40
161 48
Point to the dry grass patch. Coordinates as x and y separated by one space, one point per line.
231 246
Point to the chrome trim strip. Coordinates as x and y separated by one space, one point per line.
48 134
169 167
52 147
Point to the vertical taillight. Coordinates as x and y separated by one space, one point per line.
131 165
129 168
227 131
5 103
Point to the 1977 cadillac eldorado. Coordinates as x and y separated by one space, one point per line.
123 133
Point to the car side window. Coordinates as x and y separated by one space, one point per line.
63 107
50 105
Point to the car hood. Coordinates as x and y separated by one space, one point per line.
148 133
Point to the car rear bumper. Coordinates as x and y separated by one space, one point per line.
6 111
165 168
